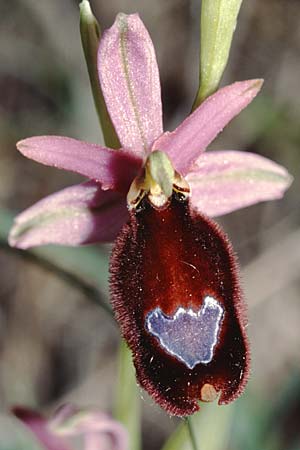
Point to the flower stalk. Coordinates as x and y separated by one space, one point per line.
90 37
190 428
127 403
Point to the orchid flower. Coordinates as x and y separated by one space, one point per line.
174 276
94 211
71 428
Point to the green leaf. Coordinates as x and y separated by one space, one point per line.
211 426
218 22
6 221
127 404
90 38
88 263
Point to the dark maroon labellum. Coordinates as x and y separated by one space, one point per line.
176 295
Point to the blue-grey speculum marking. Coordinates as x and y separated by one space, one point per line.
188 335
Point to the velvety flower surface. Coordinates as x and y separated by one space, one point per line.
177 298
95 211
72 428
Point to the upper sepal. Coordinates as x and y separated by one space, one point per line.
176 295
130 83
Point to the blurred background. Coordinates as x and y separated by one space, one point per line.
56 343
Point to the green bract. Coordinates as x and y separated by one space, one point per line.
218 22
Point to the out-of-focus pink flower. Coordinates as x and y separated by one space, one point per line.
220 181
71 428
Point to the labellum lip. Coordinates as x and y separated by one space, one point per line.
176 295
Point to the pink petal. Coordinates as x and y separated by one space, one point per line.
77 215
185 144
92 424
70 423
224 181
38 426
112 168
130 82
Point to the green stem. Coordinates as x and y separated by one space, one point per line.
128 405
91 292
218 22
191 433
90 37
